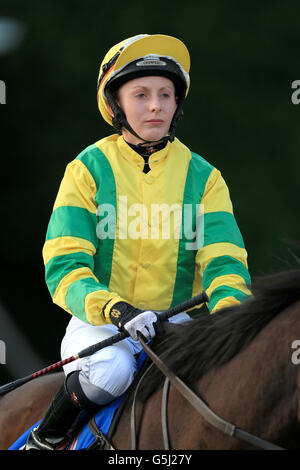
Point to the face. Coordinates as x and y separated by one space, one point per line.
149 104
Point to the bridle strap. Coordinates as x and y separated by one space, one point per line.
133 410
164 414
201 407
191 397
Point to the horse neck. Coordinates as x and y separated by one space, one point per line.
258 390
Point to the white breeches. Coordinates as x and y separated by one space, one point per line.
108 373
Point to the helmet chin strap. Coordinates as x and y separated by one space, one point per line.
145 142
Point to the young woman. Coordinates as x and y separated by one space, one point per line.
140 223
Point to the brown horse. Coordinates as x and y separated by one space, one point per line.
241 361
24 406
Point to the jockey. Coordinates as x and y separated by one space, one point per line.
140 224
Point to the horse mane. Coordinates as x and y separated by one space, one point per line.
192 349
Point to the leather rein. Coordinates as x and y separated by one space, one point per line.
195 401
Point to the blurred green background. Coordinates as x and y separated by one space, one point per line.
239 116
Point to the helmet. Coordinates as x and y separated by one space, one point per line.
141 56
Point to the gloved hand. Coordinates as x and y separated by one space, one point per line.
131 319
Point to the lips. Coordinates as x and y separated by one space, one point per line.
155 121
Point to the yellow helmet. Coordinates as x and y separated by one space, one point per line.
138 56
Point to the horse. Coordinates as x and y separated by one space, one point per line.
23 407
240 360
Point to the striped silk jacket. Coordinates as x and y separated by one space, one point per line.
152 239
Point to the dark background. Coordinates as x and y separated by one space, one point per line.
239 116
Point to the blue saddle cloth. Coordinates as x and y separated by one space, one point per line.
103 420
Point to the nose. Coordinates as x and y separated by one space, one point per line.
155 104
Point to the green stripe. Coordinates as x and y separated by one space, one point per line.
74 222
99 167
222 266
225 291
221 227
77 292
59 266
197 176
91 157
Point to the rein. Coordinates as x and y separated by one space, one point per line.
197 403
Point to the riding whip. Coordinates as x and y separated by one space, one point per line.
197 300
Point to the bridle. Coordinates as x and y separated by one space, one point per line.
195 401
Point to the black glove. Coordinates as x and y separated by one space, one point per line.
131 319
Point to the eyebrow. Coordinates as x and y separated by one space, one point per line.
148 88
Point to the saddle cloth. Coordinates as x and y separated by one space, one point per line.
85 438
